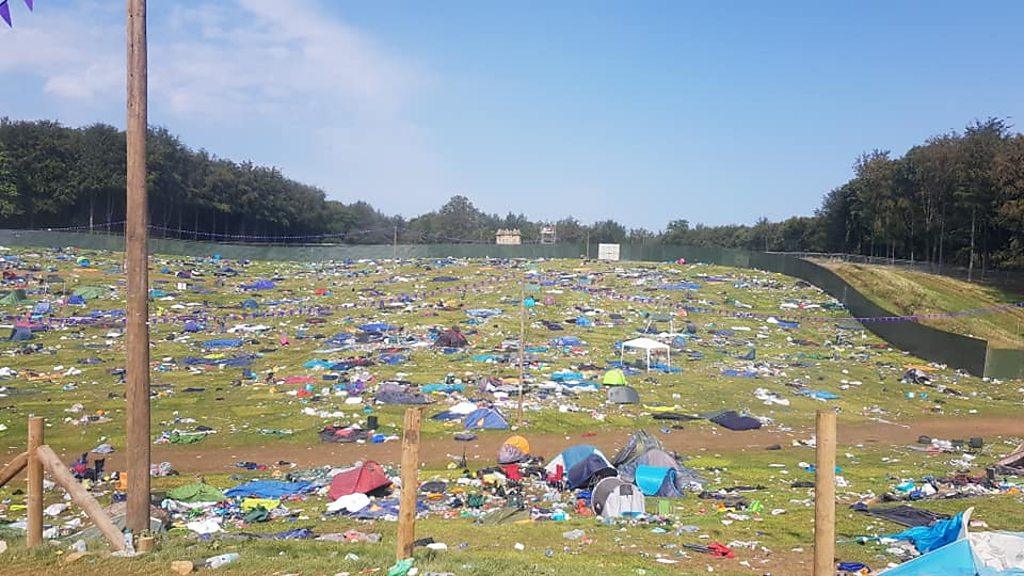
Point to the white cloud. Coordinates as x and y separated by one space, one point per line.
288 69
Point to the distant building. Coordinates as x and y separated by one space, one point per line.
548 235
511 236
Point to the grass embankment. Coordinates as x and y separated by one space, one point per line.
908 292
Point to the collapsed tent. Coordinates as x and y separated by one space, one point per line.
13 297
1013 463
363 479
644 461
21 332
89 292
485 419
623 395
259 285
969 554
614 497
395 393
343 435
735 421
451 338
377 327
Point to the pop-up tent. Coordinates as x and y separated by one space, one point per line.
515 449
970 554
614 497
485 419
365 479
623 395
649 346
614 377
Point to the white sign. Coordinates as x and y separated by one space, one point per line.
608 252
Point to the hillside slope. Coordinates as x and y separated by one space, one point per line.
907 292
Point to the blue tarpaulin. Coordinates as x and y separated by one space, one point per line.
222 343
928 538
268 489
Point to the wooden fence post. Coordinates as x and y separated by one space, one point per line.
79 495
13 468
825 494
34 531
410 484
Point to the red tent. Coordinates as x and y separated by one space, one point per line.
363 480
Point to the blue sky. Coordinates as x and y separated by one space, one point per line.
716 112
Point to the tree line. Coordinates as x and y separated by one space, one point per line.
957 198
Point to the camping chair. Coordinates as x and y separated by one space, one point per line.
557 478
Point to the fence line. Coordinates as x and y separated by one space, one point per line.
962 352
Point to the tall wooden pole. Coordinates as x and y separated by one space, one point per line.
34 532
410 483
522 346
825 494
136 264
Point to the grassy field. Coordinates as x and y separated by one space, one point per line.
908 292
67 377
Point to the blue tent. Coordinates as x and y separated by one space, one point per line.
584 322
192 326
250 304
657 481
485 419
259 285
955 552
573 455
588 471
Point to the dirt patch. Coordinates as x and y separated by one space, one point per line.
693 439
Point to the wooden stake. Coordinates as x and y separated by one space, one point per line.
13 468
81 497
410 484
136 264
825 494
34 533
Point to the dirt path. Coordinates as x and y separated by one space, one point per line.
692 439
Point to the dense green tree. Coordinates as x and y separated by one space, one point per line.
956 198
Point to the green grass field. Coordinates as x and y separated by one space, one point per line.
880 414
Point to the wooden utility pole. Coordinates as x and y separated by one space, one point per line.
34 529
522 346
825 494
410 483
136 266
394 254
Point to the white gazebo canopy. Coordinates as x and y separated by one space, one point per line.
649 346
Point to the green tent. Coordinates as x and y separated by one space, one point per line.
90 292
614 377
13 297
198 492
